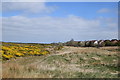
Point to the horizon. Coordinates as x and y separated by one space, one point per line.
49 42
51 22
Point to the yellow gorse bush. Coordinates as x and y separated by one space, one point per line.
19 54
6 57
13 50
45 52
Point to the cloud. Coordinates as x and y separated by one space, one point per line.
103 10
0 28
23 1
27 7
60 0
55 29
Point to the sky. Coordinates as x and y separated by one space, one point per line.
47 22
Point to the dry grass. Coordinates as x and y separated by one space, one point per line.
20 71
70 62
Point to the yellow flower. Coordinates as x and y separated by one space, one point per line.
45 52
19 54
1 52
6 56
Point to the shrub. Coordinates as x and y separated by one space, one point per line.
19 54
108 43
118 43
6 57
45 52
10 50
58 47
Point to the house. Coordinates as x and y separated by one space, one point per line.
87 43
101 43
95 42
114 42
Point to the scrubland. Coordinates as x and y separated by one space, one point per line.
68 62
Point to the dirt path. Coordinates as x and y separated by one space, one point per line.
65 50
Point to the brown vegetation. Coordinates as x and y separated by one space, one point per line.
70 62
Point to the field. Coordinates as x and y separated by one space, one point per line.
66 62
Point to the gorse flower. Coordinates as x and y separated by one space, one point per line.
12 50
19 54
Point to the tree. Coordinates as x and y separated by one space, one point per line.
69 43
81 43
108 43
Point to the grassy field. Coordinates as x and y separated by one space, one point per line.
69 62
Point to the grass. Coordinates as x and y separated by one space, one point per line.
70 62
